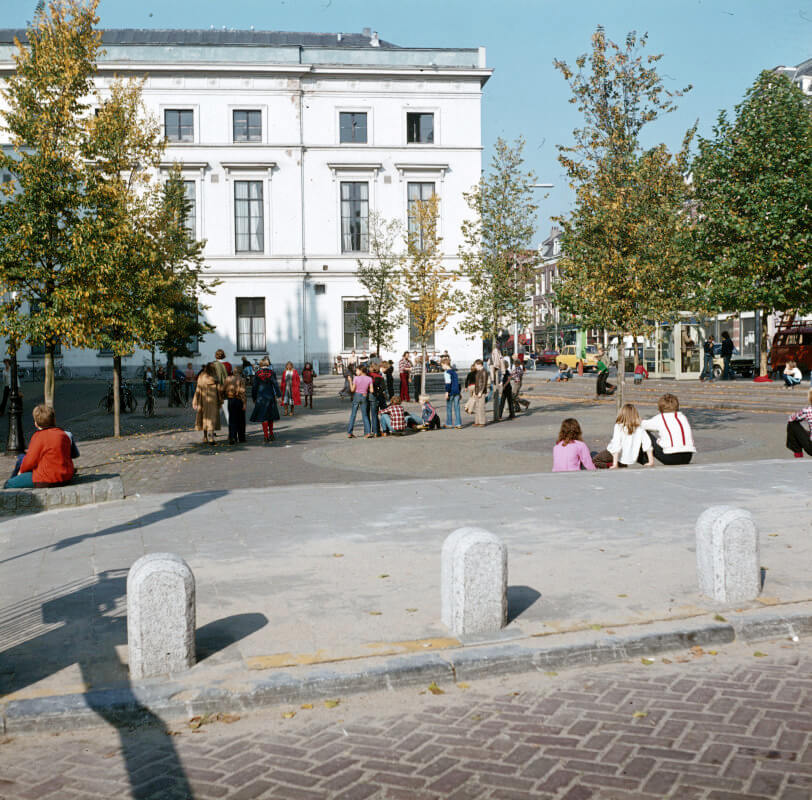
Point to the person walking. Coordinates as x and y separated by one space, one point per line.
452 394
308 374
234 393
707 368
417 373
405 369
516 378
480 390
206 402
360 394
506 396
291 389
727 354
264 391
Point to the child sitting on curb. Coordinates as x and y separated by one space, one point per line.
48 459
570 454
431 419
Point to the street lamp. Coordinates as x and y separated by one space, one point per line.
15 443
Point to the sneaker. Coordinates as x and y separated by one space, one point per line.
799 455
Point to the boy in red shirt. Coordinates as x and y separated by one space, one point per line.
47 461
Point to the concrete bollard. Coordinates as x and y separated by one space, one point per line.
474 582
727 554
160 615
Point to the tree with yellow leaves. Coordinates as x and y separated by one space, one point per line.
426 285
627 262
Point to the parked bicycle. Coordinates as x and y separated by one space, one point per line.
149 402
127 401
178 393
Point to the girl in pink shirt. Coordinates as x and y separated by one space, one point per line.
570 454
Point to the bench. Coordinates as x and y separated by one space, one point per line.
82 490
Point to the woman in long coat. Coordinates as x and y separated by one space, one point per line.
291 393
207 401
264 391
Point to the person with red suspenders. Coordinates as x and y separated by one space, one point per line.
670 433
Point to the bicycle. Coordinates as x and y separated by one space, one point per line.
178 392
127 401
149 402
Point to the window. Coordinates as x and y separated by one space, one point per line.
247 126
179 125
191 209
420 128
248 213
415 192
414 338
352 127
354 216
353 339
251 324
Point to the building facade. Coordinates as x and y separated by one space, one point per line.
287 143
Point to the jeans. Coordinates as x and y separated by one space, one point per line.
416 381
727 372
386 423
359 401
707 371
190 388
790 381
161 385
25 480
373 414
452 408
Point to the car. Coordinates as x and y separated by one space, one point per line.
791 344
569 357
739 364
548 357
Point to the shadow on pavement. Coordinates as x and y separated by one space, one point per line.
519 599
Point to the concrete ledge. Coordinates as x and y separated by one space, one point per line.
82 490
230 687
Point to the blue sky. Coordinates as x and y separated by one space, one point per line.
719 46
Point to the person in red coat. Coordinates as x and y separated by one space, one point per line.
47 461
291 395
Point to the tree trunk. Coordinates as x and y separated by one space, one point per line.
170 374
48 381
765 350
636 353
152 355
495 379
621 370
117 397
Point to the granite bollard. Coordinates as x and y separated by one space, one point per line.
474 582
160 615
727 554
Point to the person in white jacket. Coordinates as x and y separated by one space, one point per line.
670 433
630 443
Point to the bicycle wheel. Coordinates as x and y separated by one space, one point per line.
131 402
149 407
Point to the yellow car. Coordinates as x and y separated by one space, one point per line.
568 357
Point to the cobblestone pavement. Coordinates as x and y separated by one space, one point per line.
694 726
732 422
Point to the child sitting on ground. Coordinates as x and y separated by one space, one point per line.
393 420
640 372
570 454
564 374
431 419
792 375
798 438
670 433
630 442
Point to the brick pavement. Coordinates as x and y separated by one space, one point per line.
695 726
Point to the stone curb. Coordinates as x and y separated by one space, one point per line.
86 489
206 690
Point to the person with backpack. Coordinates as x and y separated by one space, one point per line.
452 394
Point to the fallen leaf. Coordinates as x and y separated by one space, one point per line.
338 555
111 753
288 715
331 703
623 595
596 627
306 706
719 618
551 673
640 714
384 575
411 610
195 722
667 661
768 601
647 661
375 613
712 652
759 654
463 685
228 718
435 689
772 535
611 633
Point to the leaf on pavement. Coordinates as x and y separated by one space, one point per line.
306 706
384 575
288 715
375 613
647 661
435 689
463 685
331 703
338 555
719 618
640 714
759 654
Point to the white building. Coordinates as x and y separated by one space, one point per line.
287 142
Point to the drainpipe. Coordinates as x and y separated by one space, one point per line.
302 221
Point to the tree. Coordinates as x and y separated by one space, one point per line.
380 275
426 285
753 186
626 262
44 212
496 255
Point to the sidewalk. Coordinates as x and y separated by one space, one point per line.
304 576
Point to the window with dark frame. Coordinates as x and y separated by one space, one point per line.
249 235
354 216
419 128
251 324
190 220
414 336
179 125
415 192
353 338
247 125
352 127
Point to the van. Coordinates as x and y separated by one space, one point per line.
792 344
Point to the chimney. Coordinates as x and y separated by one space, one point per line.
374 42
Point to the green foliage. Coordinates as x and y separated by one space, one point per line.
753 186
380 275
496 255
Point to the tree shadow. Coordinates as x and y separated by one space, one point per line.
519 599
91 621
